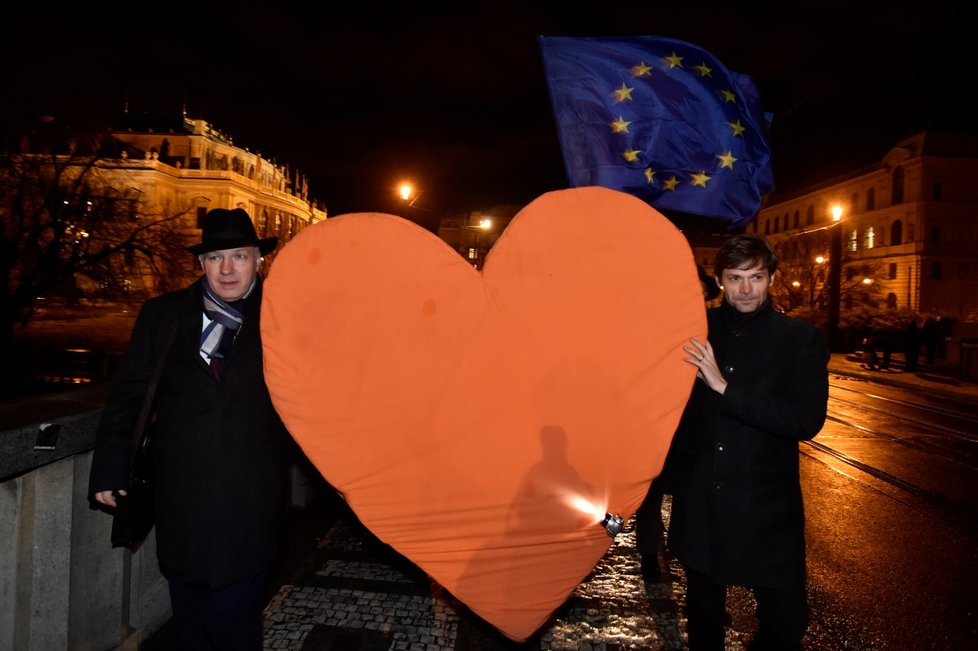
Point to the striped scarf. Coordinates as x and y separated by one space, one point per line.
226 319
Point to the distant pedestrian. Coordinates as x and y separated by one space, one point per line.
220 452
870 358
911 346
932 338
737 513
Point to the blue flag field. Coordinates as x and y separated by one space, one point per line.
661 119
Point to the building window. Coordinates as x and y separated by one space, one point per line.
910 232
936 191
767 226
891 301
263 223
897 196
473 253
810 215
853 240
869 238
797 218
893 271
935 233
201 213
854 202
935 270
896 233
871 199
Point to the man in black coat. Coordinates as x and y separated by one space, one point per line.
737 514
220 451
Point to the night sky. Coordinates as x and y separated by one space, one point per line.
455 98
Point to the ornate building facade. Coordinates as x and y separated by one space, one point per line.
906 230
187 166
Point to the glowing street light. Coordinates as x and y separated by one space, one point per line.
405 191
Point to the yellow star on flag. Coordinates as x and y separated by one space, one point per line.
727 160
674 60
623 93
649 173
670 183
728 96
704 70
631 155
620 125
700 179
736 127
641 70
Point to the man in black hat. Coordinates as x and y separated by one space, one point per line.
220 453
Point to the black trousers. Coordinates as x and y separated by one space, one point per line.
782 615
223 618
649 531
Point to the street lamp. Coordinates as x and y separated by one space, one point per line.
405 191
819 278
835 274
484 226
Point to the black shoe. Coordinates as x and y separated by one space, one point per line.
650 568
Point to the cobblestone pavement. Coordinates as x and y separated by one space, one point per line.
359 594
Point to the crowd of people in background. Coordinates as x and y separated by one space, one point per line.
877 347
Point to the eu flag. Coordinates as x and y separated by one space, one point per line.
661 119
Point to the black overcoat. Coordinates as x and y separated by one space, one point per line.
220 451
737 512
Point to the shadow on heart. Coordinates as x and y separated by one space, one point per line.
551 507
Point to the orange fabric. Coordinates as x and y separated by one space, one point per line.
460 412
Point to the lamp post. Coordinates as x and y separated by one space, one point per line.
817 277
483 227
835 273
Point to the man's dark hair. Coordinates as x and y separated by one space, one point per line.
745 251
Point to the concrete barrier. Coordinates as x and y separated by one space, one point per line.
62 586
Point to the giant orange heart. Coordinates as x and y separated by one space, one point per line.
482 423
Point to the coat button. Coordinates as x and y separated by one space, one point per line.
728 369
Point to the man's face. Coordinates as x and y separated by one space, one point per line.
746 289
231 271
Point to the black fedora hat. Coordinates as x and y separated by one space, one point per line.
230 229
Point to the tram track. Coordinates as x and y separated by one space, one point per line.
925 445
967 421
955 514
944 435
